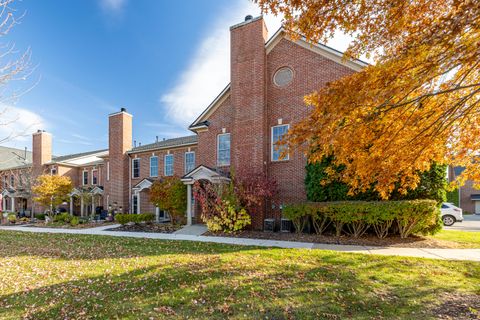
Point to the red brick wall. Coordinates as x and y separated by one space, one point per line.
223 117
178 170
311 72
120 141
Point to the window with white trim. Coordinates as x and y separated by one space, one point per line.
223 149
168 165
85 178
279 152
12 181
154 166
136 168
53 171
94 177
189 161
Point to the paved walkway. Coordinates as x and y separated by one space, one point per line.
471 222
444 254
193 230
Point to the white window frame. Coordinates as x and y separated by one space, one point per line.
53 169
83 177
151 175
108 170
272 148
133 168
218 150
165 165
96 183
185 162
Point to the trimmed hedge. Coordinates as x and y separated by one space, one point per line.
135 218
355 218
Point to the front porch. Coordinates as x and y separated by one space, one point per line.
141 201
200 173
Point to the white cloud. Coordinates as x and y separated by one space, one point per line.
113 6
208 71
17 124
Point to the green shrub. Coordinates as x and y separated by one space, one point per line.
320 187
40 216
135 218
12 217
298 214
62 218
356 217
454 197
74 221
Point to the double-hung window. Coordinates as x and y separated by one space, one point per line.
223 149
12 181
85 178
94 177
135 204
154 166
279 151
168 168
189 161
136 168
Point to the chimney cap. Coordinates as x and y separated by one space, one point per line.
248 17
123 109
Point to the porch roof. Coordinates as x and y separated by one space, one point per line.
204 173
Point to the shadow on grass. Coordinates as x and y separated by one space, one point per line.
272 284
94 247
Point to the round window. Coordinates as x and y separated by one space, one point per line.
283 76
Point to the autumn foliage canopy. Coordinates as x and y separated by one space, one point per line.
417 104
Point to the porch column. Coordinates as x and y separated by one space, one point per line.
81 206
13 204
4 203
157 214
189 204
71 205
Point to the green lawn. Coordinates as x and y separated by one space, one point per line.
81 277
464 239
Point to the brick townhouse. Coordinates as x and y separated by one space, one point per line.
237 131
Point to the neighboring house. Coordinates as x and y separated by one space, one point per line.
468 196
238 130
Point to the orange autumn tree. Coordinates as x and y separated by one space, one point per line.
418 103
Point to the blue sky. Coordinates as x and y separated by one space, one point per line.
162 60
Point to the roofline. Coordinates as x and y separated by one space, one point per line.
162 147
120 112
238 25
210 106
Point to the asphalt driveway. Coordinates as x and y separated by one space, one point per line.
470 222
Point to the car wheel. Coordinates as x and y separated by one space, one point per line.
448 220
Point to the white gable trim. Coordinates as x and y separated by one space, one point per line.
144 184
210 109
204 173
318 48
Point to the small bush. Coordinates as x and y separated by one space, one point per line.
62 218
229 218
40 216
357 217
298 214
12 217
74 221
135 218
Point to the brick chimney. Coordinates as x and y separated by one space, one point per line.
119 142
248 93
41 150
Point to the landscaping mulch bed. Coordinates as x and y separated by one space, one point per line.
367 240
150 228
458 306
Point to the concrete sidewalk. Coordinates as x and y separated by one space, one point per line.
442 254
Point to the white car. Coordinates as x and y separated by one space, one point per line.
450 214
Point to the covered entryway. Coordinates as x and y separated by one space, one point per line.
198 174
141 201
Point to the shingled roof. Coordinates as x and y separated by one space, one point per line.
165 144
12 158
